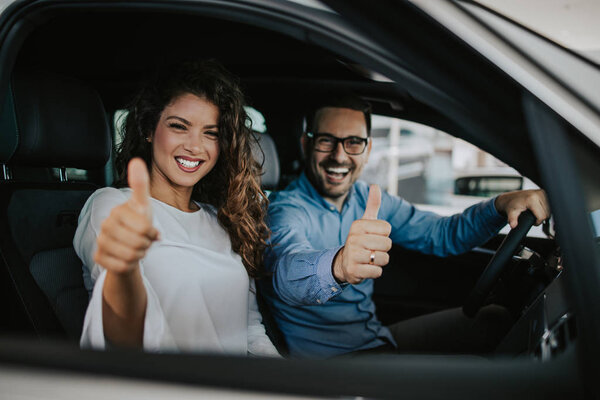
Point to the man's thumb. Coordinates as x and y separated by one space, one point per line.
139 182
373 203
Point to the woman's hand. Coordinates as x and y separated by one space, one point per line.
124 238
127 233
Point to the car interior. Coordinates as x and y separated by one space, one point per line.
74 66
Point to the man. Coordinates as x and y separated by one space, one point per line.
330 237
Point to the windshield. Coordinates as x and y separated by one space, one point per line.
570 23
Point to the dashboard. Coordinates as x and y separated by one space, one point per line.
546 326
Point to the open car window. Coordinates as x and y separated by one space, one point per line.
437 171
404 58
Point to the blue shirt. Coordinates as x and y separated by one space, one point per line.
318 316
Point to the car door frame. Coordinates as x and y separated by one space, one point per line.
550 143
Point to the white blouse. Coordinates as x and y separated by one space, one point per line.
200 298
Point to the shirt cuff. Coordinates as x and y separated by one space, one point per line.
492 213
328 285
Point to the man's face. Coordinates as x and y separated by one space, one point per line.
333 173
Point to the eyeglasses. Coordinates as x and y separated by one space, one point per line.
326 142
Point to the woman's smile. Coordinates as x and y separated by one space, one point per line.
188 164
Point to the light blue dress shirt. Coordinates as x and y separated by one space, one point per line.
318 316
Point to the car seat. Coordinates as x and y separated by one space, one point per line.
46 121
265 152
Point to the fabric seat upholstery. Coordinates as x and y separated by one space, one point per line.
56 122
265 153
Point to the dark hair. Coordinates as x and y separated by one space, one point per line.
346 100
232 186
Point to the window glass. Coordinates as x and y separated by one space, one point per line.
73 174
257 119
588 164
119 126
434 170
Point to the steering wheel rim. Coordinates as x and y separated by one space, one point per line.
497 264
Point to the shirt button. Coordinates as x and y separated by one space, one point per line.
333 289
332 208
318 301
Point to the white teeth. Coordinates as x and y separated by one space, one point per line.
187 163
337 170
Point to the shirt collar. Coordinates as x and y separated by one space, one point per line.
308 188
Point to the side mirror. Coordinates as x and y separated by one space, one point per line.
487 186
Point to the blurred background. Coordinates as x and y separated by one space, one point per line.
429 167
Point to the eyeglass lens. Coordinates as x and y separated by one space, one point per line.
352 145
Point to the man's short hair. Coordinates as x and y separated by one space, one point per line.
350 101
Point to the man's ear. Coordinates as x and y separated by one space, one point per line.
369 145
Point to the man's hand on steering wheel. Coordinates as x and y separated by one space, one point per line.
512 204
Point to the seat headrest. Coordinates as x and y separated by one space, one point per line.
270 160
53 121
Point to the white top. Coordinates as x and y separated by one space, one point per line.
199 295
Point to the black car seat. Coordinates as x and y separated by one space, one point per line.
46 121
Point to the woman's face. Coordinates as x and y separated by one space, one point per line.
185 144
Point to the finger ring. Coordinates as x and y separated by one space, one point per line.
372 258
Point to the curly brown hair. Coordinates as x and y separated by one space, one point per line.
232 186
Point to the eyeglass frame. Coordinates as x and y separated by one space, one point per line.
314 136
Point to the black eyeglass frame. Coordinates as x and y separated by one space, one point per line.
337 140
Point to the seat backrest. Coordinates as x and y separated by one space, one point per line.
58 122
265 153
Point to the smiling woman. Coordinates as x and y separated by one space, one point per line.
185 140
180 126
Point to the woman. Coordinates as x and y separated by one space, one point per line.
171 259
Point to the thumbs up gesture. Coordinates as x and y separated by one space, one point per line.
365 251
127 232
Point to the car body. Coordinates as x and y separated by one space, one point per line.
452 65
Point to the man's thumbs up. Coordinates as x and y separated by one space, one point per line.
373 203
366 247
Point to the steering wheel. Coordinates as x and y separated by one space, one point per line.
497 264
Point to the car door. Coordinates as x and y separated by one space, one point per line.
559 112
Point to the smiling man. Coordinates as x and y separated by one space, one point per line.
332 168
331 235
